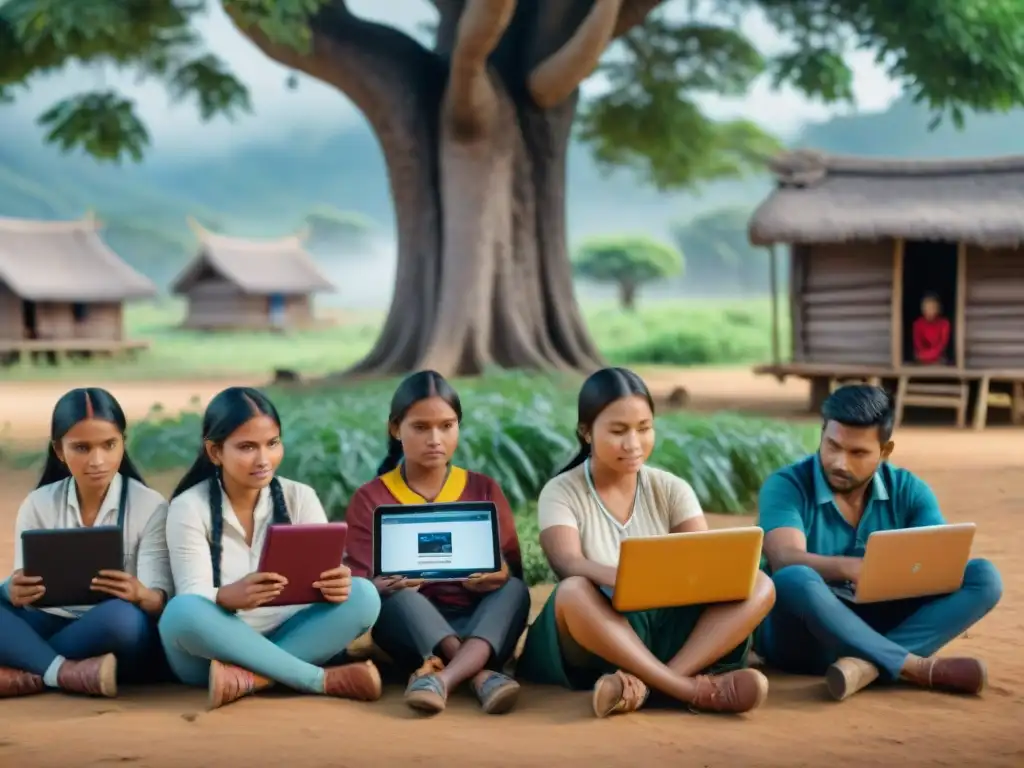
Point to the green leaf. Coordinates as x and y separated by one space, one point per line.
216 89
103 124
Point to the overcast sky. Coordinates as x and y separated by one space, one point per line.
315 109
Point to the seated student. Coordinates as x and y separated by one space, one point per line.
696 654
88 480
447 632
931 333
817 515
218 630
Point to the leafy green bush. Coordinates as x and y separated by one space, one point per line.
692 332
517 429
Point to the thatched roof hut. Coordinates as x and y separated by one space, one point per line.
62 288
245 283
868 238
833 199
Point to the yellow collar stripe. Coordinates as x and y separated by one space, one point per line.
452 489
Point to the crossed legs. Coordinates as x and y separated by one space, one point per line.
812 631
586 621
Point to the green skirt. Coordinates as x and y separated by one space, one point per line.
663 630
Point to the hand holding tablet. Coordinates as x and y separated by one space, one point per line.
487 582
308 560
24 590
388 585
336 584
254 591
63 562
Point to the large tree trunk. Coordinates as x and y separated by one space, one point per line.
478 174
505 294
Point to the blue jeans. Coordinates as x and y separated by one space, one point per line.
31 639
811 627
195 630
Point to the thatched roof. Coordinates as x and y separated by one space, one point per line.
65 261
827 199
256 267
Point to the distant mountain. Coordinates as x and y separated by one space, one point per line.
268 190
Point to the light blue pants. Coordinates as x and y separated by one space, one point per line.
810 627
194 630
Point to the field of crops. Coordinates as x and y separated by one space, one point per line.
516 429
665 332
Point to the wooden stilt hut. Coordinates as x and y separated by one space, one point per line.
63 290
867 238
239 283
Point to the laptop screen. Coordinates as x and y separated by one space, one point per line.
438 540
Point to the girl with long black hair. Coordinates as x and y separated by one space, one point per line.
219 631
444 634
88 480
693 654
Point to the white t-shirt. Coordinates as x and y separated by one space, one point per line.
188 538
663 501
55 506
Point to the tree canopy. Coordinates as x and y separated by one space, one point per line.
627 261
951 54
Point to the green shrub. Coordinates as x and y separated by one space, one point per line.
535 566
517 429
690 332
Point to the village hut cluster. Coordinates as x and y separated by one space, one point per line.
868 240
63 290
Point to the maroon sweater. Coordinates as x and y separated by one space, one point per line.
392 489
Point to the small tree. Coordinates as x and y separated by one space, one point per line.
629 262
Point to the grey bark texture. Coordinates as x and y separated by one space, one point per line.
475 135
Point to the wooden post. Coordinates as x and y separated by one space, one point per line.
798 255
960 313
773 283
896 344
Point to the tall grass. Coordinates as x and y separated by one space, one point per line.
517 429
660 332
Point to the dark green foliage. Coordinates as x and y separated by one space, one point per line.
518 429
953 55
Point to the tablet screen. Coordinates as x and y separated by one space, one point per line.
445 542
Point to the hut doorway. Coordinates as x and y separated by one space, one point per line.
929 268
29 320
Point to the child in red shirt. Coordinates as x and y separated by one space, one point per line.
931 332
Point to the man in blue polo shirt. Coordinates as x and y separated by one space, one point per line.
817 515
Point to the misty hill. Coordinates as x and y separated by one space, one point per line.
268 190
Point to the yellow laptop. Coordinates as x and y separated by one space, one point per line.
914 562
687 568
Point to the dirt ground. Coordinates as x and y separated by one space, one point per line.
978 477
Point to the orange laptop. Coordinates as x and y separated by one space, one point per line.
687 569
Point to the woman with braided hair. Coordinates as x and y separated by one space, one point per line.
88 480
218 630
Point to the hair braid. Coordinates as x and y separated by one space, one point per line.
216 525
281 516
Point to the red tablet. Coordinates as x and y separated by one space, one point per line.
301 553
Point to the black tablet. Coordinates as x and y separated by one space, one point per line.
68 559
436 542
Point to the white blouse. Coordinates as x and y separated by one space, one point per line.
55 506
188 537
